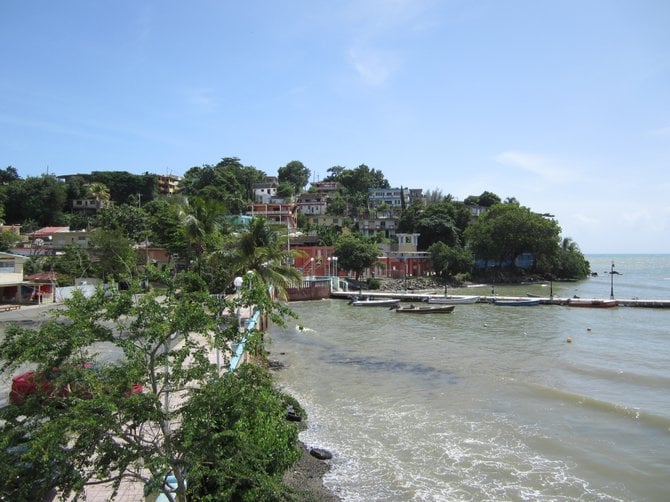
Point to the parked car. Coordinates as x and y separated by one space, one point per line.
31 382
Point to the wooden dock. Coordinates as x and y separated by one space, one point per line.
413 296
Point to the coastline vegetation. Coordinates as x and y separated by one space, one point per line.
222 436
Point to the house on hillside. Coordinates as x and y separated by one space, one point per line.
265 191
11 277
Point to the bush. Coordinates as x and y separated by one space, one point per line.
373 283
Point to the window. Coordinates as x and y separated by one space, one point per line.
6 267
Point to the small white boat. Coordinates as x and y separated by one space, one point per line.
375 302
428 309
530 302
453 300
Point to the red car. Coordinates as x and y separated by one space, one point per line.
27 384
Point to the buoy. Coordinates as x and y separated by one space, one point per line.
588 329
569 340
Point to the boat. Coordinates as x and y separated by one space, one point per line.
426 309
375 302
520 302
453 300
592 303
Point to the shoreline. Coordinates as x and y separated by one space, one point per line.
306 478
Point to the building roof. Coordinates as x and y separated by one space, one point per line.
47 231
42 277
12 255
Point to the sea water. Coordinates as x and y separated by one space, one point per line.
491 402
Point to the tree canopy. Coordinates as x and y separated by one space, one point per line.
296 174
506 231
140 416
356 253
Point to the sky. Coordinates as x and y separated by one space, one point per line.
563 105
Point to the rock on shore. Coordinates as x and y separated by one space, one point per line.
306 478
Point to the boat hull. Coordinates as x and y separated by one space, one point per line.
390 302
437 309
598 304
531 302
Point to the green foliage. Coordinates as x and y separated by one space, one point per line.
164 224
203 224
507 230
570 262
260 251
373 283
7 239
114 255
40 198
123 187
74 262
132 221
228 182
295 174
450 261
98 430
238 440
356 253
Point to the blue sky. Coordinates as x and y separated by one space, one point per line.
564 105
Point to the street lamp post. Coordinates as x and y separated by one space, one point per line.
238 287
311 260
612 273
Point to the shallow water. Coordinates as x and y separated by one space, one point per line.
490 402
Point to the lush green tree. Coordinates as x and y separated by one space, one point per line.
356 253
335 173
8 174
285 190
296 174
441 221
40 198
114 255
238 439
75 261
361 179
506 231
570 262
165 224
448 261
100 430
8 238
260 250
228 182
488 199
126 188
203 223
338 206
132 221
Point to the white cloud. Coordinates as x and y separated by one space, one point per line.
544 167
202 99
373 67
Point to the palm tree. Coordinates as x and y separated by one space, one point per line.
203 224
261 251
98 191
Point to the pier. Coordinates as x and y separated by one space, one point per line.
416 296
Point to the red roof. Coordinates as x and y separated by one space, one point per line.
41 277
47 231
